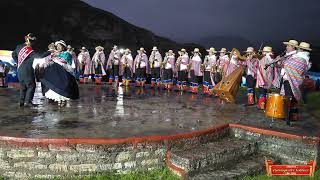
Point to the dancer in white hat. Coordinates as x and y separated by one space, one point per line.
264 76
126 67
57 80
294 66
195 72
98 61
85 61
141 67
209 68
251 64
221 68
168 70
182 70
113 65
75 61
155 60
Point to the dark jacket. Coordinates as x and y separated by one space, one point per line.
25 71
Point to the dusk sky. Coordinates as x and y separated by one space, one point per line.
193 21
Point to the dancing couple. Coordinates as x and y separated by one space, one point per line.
58 83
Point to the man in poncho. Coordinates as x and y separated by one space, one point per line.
293 69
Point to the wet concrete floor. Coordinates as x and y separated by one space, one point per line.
106 112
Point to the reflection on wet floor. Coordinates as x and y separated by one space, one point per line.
106 111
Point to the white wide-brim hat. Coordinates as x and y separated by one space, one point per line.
223 50
99 48
249 50
154 48
83 49
141 50
127 50
305 46
267 49
70 47
60 42
213 50
292 42
51 46
196 50
170 51
182 51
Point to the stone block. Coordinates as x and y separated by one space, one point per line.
83 168
142 154
1 153
150 162
58 167
124 156
4 164
17 175
59 148
117 166
68 157
105 167
46 155
86 148
130 164
30 165
21 153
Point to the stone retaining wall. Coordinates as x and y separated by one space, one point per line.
289 148
54 160
47 158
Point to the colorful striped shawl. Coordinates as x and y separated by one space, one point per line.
295 68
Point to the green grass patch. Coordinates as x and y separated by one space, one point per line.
265 177
164 173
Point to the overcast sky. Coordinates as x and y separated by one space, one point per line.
193 20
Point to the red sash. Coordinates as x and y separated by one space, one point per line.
23 54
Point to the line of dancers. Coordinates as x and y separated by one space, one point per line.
55 70
263 70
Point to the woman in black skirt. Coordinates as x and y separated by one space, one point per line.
57 80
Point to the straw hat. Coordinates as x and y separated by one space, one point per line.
213 50
60 42
305 46
292 42
70 47
83 49
141 49
154 48
51 47
196 50
223 50
249 50
127 50
170 51
182 51
99 48
267 49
